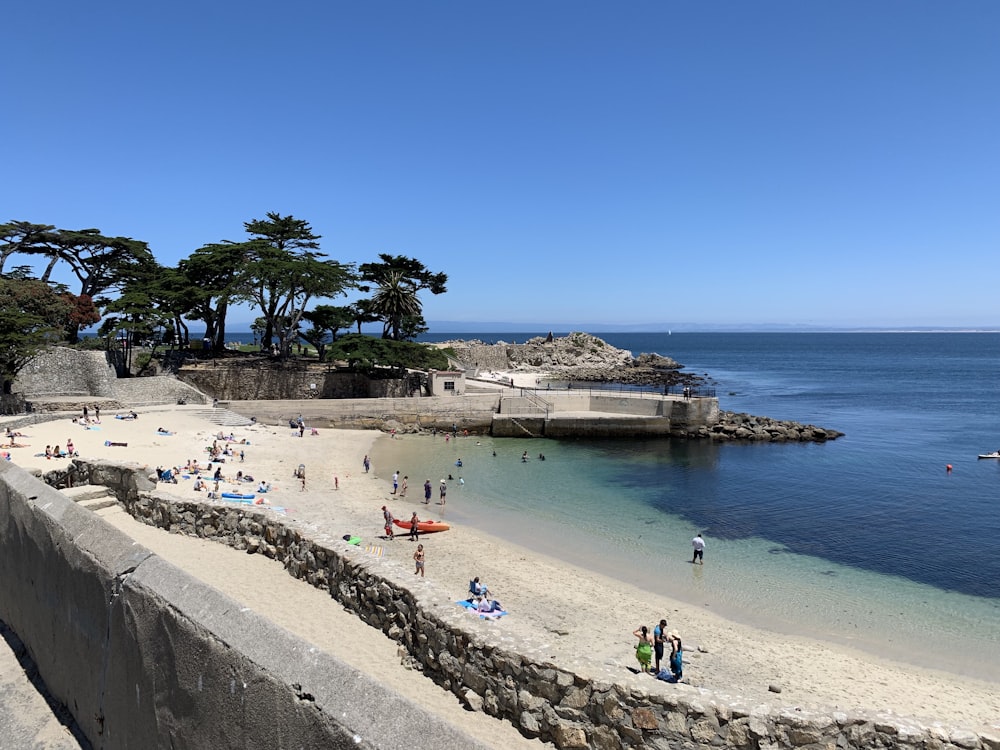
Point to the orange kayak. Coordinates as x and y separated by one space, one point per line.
424 527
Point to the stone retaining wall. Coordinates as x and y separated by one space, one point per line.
515 681
472 412
264 378
62 371
145 656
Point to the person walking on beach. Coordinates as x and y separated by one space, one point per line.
427 491
395 482
442 492
97 413
414 527
418 559
659 638
368 464
387 516
644 648
403 486
699 550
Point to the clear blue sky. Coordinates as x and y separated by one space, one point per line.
828 163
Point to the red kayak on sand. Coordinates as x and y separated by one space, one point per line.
424 527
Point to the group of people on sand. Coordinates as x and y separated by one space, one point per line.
653 645
58 452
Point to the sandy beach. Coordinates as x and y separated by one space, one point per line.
586 626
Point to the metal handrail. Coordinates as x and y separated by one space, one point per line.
641 391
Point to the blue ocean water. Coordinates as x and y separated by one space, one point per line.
866 539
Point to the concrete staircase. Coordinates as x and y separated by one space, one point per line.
92 496
223 417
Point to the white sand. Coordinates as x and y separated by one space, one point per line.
586 627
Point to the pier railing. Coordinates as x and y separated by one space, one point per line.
634 391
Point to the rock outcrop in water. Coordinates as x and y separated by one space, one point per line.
576 357
748 428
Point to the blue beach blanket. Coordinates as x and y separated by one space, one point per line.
251 503
471 606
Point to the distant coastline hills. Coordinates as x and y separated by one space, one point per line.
449 326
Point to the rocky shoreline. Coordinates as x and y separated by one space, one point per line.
576 357
734 426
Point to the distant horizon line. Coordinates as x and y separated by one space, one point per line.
448 327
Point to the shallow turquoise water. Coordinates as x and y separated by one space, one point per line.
864 540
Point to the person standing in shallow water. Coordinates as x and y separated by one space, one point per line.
699 550
427 491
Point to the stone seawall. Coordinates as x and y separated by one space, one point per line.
563 704
472 412
62 371
264 378
144 656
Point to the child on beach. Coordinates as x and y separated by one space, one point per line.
418 559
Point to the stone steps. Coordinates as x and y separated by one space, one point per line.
91 496
223 417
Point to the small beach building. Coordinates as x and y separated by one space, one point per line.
446 382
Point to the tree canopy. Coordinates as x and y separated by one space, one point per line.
278 270
397 281
33 316
283 271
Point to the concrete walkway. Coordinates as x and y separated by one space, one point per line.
313 615
26 718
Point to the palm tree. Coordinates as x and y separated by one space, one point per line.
395 299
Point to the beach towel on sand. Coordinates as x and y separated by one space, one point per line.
471 606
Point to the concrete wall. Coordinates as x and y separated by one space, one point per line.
473 412
144 656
